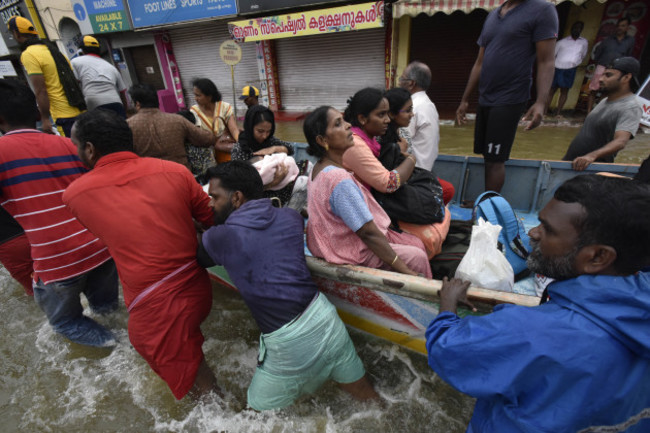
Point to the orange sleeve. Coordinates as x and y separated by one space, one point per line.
366 167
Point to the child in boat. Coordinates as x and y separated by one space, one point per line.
346 224
303 341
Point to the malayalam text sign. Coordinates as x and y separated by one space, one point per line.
146 13
340 19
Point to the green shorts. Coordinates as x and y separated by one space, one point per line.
299 357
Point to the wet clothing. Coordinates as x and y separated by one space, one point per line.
303 340
100 81
301 356
35 169
510 52
15 251
338 206
61 303
150 233
602 123
262 248
163 135
38 60
580 360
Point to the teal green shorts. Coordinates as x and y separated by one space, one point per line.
299 357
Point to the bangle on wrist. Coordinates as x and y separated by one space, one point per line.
394 260
412 158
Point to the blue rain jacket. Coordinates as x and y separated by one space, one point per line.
581 360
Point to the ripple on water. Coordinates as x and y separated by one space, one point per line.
51 385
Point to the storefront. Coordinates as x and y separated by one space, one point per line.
443 34
186 38
322 57
196 48
9 50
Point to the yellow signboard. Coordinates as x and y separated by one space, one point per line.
340 19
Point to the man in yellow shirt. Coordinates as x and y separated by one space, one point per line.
56 89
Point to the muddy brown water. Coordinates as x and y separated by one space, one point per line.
50 385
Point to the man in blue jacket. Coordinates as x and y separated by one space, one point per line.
581 361
303 341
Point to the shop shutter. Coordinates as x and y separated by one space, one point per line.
197 53
328 69
447 43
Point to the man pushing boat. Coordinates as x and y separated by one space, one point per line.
303 341
142 209
581 361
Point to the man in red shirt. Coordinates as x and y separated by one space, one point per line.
35 169
143 209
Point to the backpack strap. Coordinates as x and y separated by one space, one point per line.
496 208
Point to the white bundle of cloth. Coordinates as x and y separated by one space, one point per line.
267 167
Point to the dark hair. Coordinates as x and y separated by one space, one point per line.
420 73
315 125
238 176
578 23
90 50
362 103
18 104
615 214
396 97
254 116
188 115
105 129
624 18
145 94
208 88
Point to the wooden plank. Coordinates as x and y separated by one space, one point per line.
408 286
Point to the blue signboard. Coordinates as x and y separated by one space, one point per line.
146 13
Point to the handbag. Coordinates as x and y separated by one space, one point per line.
419 200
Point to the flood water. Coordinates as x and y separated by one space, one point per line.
50 385
549 141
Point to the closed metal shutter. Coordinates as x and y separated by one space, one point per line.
328 69
447 44
197 53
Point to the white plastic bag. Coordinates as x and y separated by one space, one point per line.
483 264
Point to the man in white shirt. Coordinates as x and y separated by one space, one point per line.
569 53
424 127
100 81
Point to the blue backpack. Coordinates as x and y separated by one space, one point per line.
513 239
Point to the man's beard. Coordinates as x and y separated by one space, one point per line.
221 216
559 268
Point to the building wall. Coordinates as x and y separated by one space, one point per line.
51 13
590 13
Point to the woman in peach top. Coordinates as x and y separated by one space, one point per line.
369 113
346 225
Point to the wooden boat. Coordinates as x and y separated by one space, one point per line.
397 307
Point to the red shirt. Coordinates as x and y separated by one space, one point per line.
35 169
142 208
